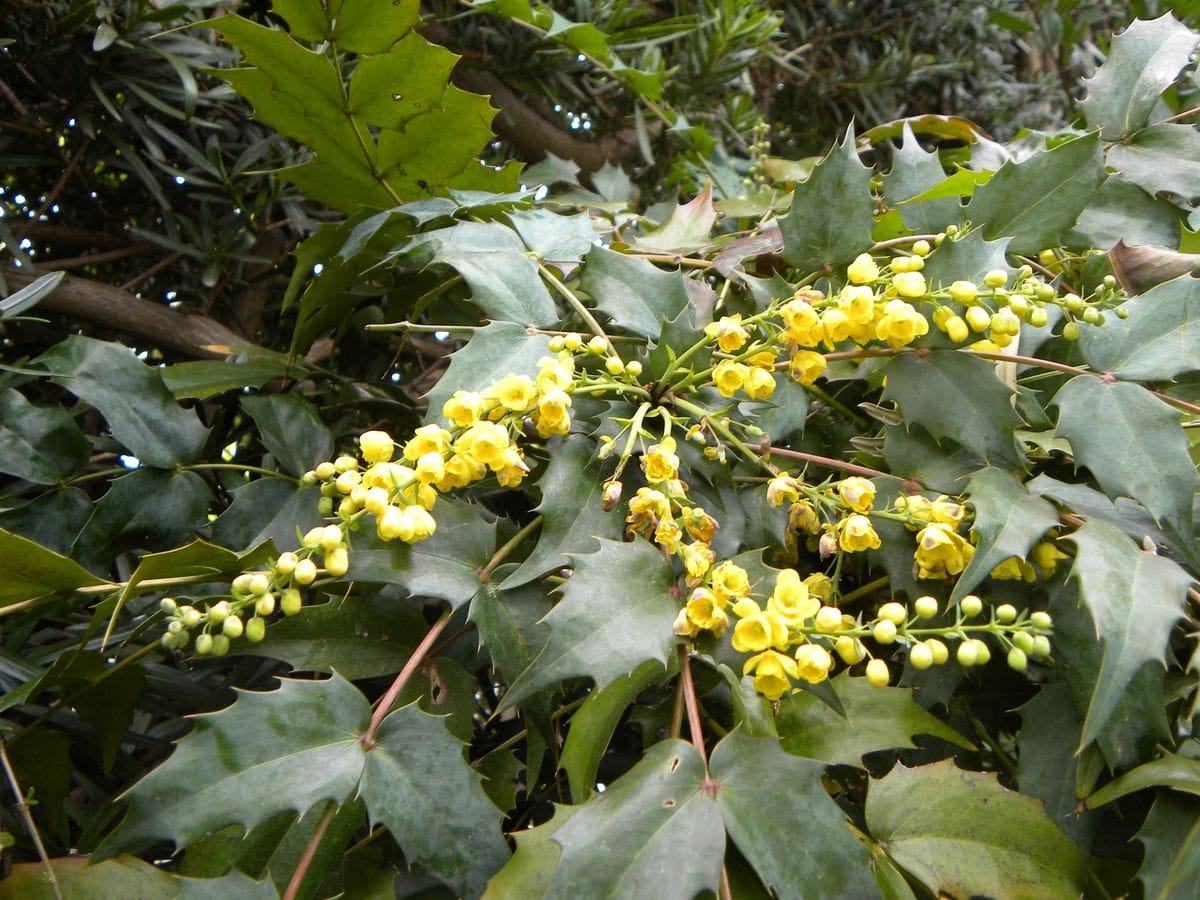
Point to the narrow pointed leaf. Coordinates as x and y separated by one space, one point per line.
1173 771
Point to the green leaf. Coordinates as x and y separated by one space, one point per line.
1170 837
1120 210
875 719
42 760
1159 340
510 625
32 571
363 26
248 762
290 429
1143 61
782 820
202 379
1173 771
53 519
653 820
445 565
931 823
604 627
41 444
128 876
593 724
573 519
636 294
953 395
1153 467
832 212
269 509
108 706
1134 598
30 295
968 257
913 172
1035 201
1008 522
551 236
1160 159
140 411
528 872
418 785
492 352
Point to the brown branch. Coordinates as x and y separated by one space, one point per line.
95 259
116 310
74 237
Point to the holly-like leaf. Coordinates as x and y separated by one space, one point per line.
875 719
492 352
1008 522
653 832
913 172
418 785
782 820
248 762
832 212
1048 765
1173 771
290 429
1122 211
201 379
551 236
140 411
128 876
41 444
639 296
31 571
528 872
1143 61
1159 340
957 396
1134 598
969 256
688 227
1153 465
1160 159
930 823
573 519
1036 201
605 627
269 509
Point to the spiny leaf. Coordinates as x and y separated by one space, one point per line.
928 820
803 846
528 872
913 172
41 444
290 429
832 212
1143 61
1159 340
1048 765
605 627
492 352
128 876
687 228
1134 598
1008 522
1161 159
969 256
1170 837
1122 211
639 296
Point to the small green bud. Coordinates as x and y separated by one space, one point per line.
290 601
1024 640
1038 318
926 607
260 583
967 654
1070 331
220 645
218 612
1017 660
325 471
241 584
971 606
597 345
192 617
1041 646
325 506
233 627
557 343
920 656
982 653
256 630
1041 621
633 368
1006 613
265 605
1122 312
204 644
175 626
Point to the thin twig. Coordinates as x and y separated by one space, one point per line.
92 259
27 815
576 304
830 463
310 851
384 706
689 699
163 263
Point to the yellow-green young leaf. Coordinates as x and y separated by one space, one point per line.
1152 464
492 352
1143 61
1134 598
606 626
655 832
1035 201
636 294
41 444
32 571
875 719
417 784
687 228
832 212
785 824
961 834
1008 522
1159 340
1176 772
127 876
957 396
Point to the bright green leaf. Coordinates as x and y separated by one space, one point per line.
1176 772
32 571
128 876
202 379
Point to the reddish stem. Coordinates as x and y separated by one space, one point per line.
310 851
693 708
384 706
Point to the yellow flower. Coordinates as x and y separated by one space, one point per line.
753 633
941 551
771 671
1014 569
461 470
388 475
552 416
431 468
783 489
763 359
917 506
729 376
837 325
804 325
813 662
790 600
730 581
909 284
427 439
706 612
806 366
819 586
463 408
514 392
946 511
857 493
964 292
1046 555
697 559
554 375
760 384
729 333
376 446
485 442
648 502
851 650
858 303
660 462
901 324
697 523
512 469
856 533
863 269
802 517
668 535
684 626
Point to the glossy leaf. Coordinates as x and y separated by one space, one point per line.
1047 762
913 172
528 872
128 876
492 352
268 509
969 256
32 571
41 444
945 842
1170 837
30 295
1120 210
290 429
639 296
202 379
1159 340
1160 159
687 228
1134 598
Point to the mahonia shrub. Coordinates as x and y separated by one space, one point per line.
829 539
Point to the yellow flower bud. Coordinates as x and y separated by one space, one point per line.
376 446
863 270
877 673
305 572
337 562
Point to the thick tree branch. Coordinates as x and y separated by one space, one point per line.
116 310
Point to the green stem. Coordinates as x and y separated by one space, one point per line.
524 732
423 329
23 809
635 431
725 433
510 545
868 588
238 467
576 304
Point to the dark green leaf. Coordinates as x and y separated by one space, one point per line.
803 845
1048 765
1008 522
1143 61
108 706
875 719
636 294
929 820
528 872
269 509
1160 159
913 172
968 257
33 571
418 785
1134 598
832 212
1159 340
52 520
604 628
40 444
30 295
1153 465
290 429
953 395
552 236
131 396
492 352
1171 839
510 625
42 760
1176 772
